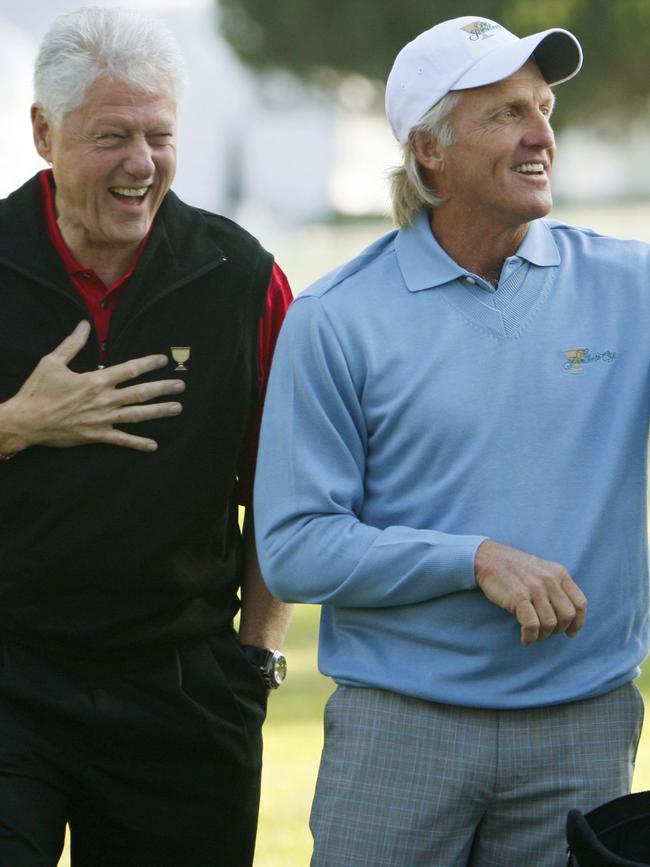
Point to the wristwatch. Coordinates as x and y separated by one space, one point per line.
271 664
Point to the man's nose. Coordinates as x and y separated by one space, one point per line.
539 133
139 161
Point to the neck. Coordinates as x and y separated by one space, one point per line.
478 248
109 261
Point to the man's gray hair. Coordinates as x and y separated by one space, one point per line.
409 190
119 43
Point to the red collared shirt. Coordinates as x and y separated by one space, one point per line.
101 301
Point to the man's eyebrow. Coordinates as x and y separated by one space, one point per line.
518 101
108 119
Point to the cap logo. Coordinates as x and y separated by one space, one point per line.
480 30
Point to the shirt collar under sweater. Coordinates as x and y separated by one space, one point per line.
425 265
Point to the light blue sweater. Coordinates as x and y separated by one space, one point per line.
412 411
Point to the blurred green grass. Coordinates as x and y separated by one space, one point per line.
293 737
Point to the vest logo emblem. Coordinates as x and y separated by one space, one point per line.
577 358
180 354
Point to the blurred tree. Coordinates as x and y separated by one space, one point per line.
330 39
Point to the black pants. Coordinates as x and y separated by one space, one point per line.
152 757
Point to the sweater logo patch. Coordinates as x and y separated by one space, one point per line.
180 354
575 359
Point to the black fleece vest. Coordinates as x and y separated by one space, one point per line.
105 545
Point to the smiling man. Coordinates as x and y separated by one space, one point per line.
129 707
453 463
114 160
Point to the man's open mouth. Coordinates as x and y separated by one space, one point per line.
530 169
129 194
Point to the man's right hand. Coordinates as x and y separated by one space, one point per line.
60 408
541 595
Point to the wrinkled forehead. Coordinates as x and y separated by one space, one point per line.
109 95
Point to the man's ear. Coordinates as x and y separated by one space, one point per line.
42 132
428 151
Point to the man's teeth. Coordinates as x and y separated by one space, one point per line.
129 191
529 168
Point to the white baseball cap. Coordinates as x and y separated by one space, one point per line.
469 52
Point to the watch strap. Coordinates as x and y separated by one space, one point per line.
256 655
270 664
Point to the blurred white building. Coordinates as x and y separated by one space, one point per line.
18 159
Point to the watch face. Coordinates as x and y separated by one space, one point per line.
279 669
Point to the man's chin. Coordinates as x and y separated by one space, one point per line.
129 234
542 207
536 212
